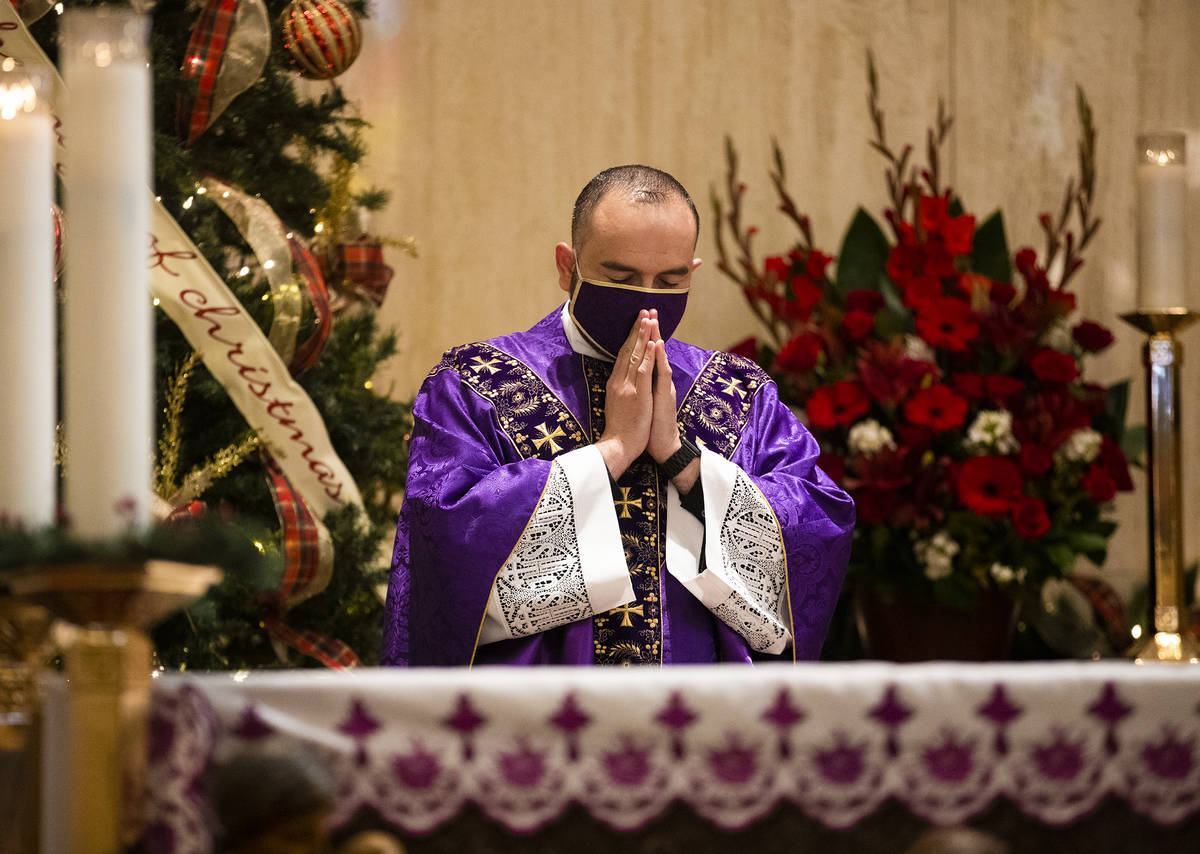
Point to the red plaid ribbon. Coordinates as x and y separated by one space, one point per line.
306 571
205 51
306 266
362 268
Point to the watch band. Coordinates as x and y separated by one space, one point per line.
679 460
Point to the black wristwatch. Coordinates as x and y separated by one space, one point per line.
679 460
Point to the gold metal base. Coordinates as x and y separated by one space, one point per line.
1165 647
1156 321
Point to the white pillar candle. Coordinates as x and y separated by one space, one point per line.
28 364
108 322
1162 203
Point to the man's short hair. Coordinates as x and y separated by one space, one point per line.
643 183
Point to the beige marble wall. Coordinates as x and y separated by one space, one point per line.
489 115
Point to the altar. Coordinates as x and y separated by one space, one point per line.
829 757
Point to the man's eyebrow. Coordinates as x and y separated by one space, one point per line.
618 267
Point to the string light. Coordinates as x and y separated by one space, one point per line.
319 227
187 203
368 385
245 271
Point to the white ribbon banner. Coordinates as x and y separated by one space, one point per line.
233 347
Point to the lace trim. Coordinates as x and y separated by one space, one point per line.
542 585
755 557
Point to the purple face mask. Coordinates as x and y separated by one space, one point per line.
605 312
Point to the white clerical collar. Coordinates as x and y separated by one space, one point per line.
578 343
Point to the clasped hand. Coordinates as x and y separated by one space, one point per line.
639 413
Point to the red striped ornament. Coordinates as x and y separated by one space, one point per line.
323 37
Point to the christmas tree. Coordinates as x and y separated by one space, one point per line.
285 151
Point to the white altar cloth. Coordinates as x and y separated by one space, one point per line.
731 742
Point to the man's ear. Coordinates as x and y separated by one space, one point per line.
696 262
564 261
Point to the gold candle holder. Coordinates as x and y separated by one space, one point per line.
1163 356
109 661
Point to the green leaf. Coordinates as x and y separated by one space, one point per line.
1116 402
989 250
1061 556
1134 443
863 256
1086 541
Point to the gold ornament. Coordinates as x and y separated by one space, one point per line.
323 37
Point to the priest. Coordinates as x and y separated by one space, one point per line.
593 491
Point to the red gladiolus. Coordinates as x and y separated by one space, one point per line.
778 267
864 300
958 233
799 355
1053 366
1061 303
947 323
990 486
919 290
888 375
932 211
1035 460
1002 293
837 405
1099 484
816 263
937 407
1091 336
1026 261
832 465
858 324
1030 518
807 294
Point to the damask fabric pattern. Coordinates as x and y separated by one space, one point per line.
837 741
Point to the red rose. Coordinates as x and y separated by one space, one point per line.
1030 519
799 355
990 486
1113 459
1099 484
969 386
874 506
833 465
1035 460
1092 337
937 407
858 324
947 323
915 437
1000 388
1053 366
838 404
888 375
747 348
864 300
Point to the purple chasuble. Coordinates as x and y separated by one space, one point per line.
490 418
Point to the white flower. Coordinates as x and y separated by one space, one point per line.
1002 573
916 348
937 554
1082 446
868 437
1058 337
992 431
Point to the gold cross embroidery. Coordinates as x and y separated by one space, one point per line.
489 365
734 386
625 611
547 436
624 503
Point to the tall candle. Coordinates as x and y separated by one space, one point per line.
108 324
1162 203
28 364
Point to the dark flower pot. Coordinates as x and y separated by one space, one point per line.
895 626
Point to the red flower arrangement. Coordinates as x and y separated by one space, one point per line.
942 377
